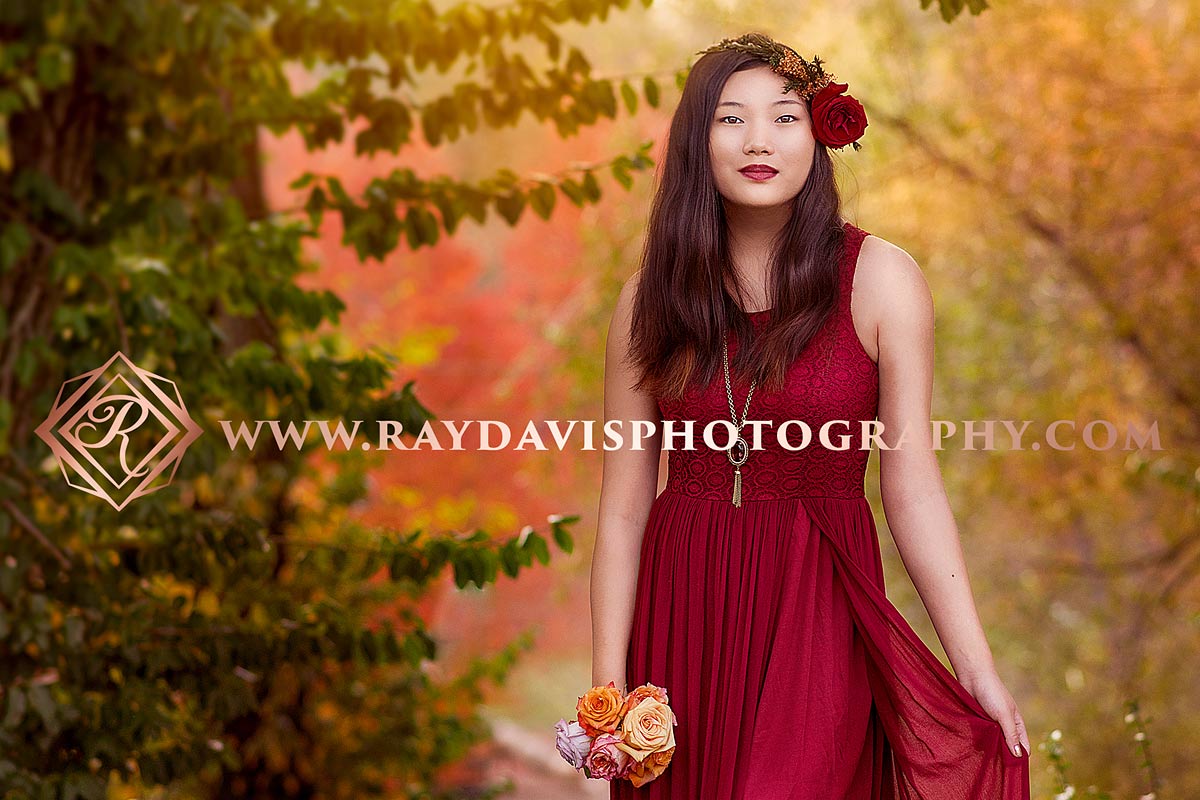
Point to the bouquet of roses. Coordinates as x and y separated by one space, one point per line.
619 736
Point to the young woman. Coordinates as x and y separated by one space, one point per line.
751 588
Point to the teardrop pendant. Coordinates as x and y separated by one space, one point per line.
739 451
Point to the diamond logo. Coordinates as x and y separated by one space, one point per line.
119 431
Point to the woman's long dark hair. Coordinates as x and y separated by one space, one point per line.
682 308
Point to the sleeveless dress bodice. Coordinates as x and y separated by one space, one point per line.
833 379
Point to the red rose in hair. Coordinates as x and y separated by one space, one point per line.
838 119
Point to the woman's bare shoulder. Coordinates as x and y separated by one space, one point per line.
887 273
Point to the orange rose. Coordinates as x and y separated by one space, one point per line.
641 693
648 728
599 709
642 772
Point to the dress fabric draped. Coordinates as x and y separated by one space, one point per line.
791 674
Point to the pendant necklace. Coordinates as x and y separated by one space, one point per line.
740 446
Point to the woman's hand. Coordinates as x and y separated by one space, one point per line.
996 700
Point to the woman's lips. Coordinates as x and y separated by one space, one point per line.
759 174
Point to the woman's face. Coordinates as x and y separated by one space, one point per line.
755 123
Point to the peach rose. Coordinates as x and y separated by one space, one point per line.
599 709
641 693
648 728
642 772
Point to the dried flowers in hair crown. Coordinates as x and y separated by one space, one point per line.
838 119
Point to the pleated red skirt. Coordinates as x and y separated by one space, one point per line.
791 674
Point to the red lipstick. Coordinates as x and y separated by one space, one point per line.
759 172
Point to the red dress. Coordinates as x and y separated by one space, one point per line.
791 674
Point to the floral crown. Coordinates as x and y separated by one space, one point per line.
838 119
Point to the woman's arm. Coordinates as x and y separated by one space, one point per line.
914 496
628 486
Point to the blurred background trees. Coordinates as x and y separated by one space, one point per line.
244 634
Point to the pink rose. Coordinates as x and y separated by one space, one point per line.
606 760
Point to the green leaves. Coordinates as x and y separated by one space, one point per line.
950 9
14 244
476 559
591 189
45 199
510 205
629 96
421 227
390 129
372 227
55 66
650 89
542 198
562 536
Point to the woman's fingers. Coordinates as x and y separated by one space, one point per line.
1019 724
1009 726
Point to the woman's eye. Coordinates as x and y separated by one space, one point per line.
793 116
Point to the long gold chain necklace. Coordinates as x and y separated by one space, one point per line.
739 445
